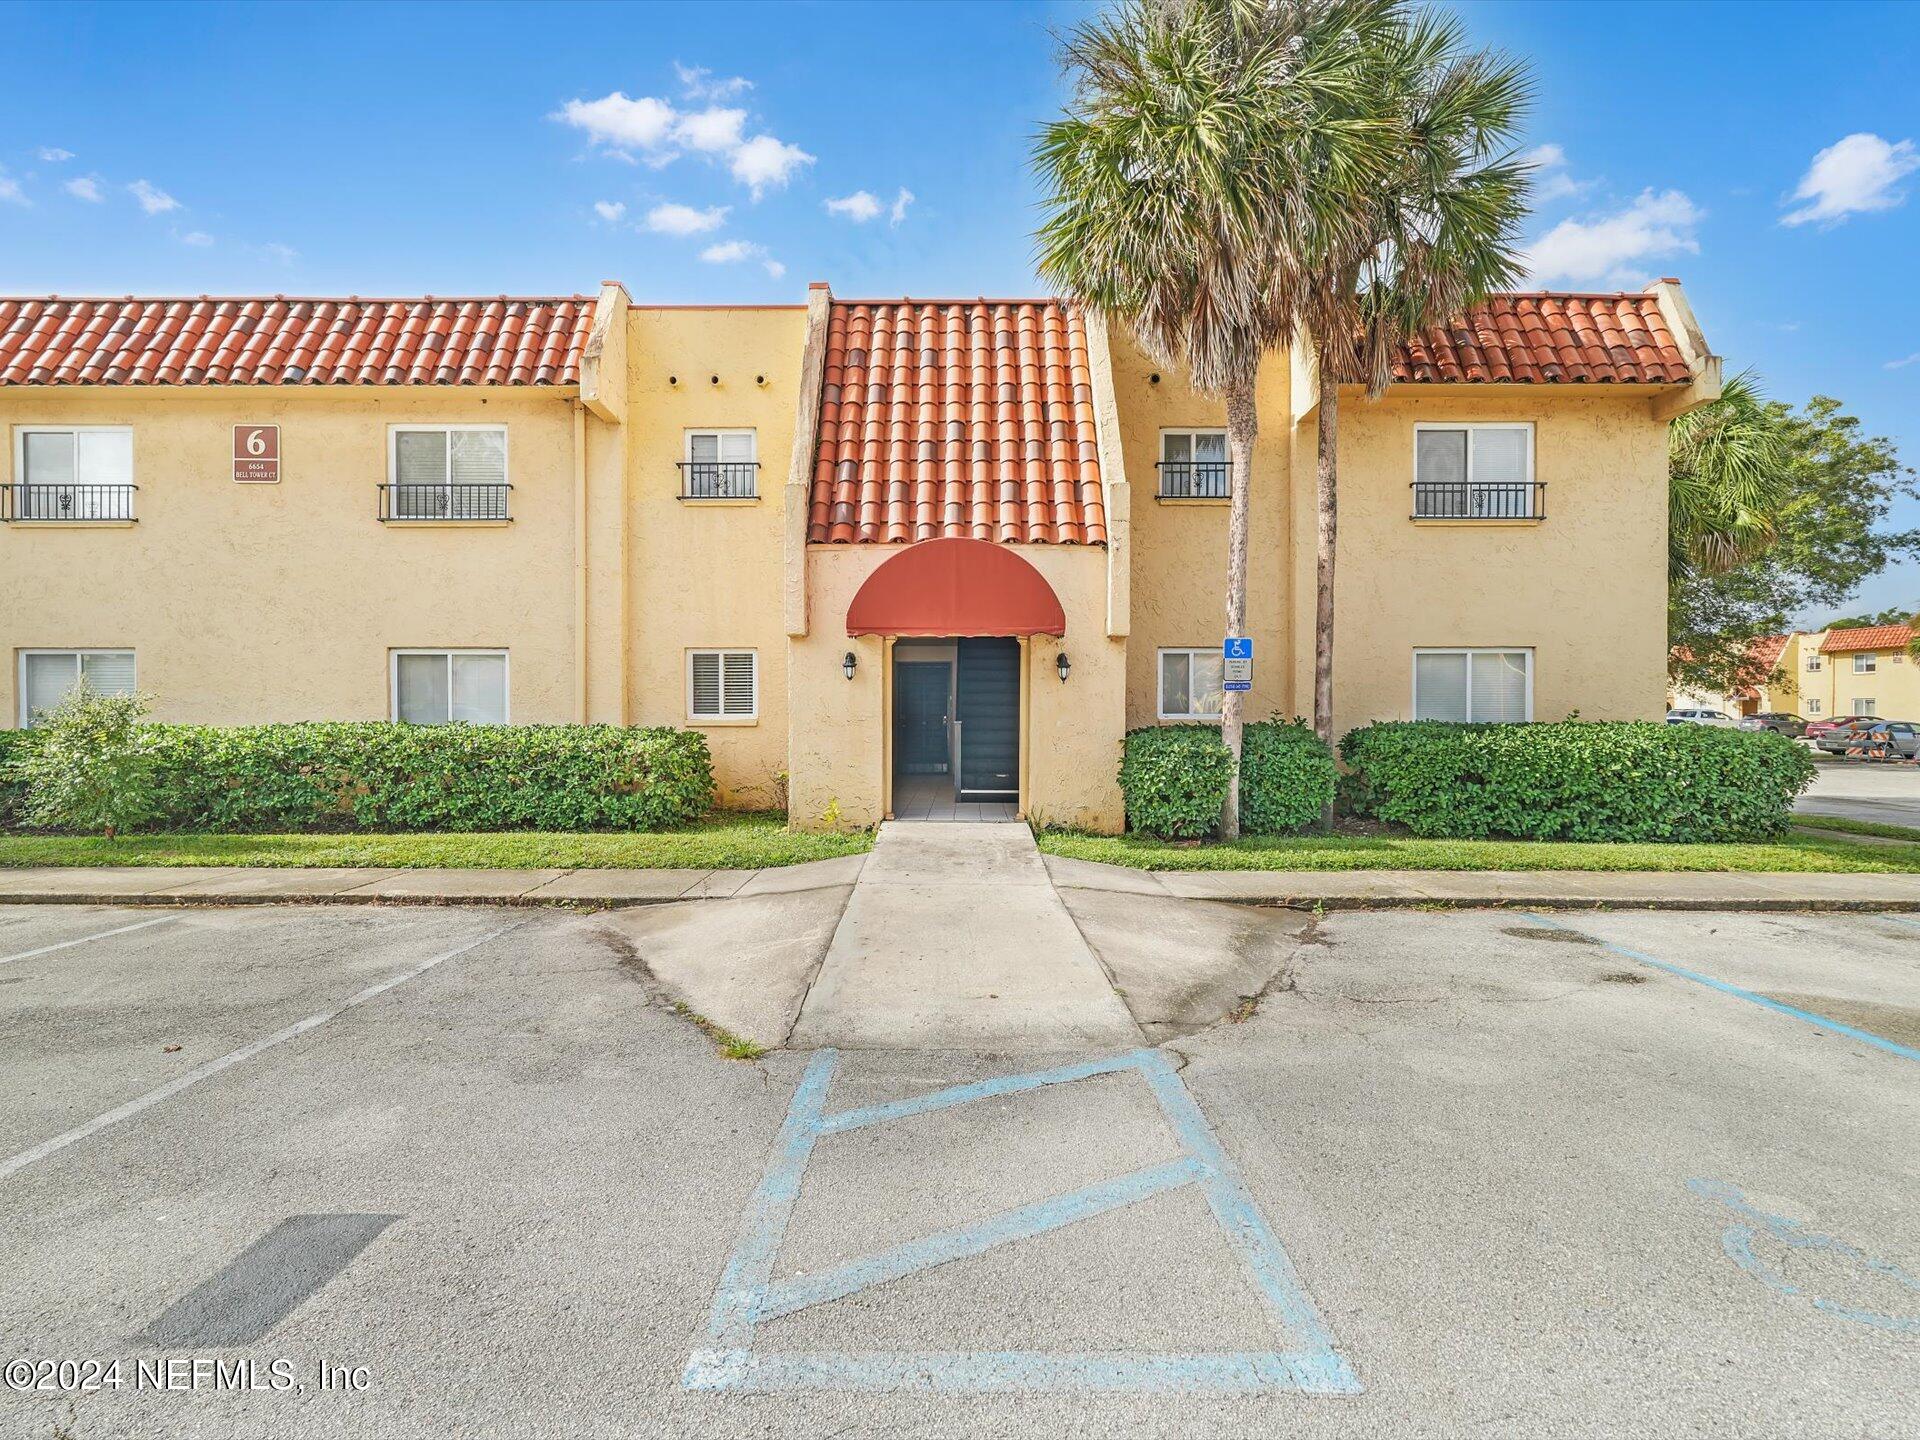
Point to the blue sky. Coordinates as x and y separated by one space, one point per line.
1763 153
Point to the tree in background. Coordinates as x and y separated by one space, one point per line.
1835 488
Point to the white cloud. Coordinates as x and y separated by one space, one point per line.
674 219
713 131
859 207
697 83
729 252
765 163
898 212
84 188
1607 249
621 123
773 268
285 254
199 239
1854 175
54 155
1913 359
153 200
609 210
1550 178
11 193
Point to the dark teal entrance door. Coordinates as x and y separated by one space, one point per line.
920 693
988 683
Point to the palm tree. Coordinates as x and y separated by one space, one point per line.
1422 239
1727 479
1206 143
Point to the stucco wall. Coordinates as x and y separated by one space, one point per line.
1585 587
247 603
704 574
1071 744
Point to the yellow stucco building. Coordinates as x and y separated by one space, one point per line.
888 555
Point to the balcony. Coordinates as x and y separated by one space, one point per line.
719 479
445 503
77 504
1195 479
1475 500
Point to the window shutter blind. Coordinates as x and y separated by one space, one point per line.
706 685
420 457
1440 457
739 697
703 449
480 689
1178 449
48 680
108 673
421 683
737 448
479 456
1440 687
105 457
1500 687
1210 449
1500 456
49 458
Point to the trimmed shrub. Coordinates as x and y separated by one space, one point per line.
1174 778
1576 780
380 776
1287 777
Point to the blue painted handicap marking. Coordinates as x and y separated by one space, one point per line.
749 1296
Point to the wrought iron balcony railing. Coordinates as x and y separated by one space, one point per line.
78 502
719 479
444 502
1195 479
1476 500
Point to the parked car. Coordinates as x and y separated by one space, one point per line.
1791 726
1699 717
1847 734
1899 738
1817 729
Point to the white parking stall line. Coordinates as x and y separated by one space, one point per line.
86 939
234 1057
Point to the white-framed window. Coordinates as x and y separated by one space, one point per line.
1473 684
1813 664
1813 707
1474 472
447 472
1191 684
48 676
720 465
723 685
1865 705
1866 664
435 687
71 472
1193 465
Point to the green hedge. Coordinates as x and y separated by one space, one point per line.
1174 778
1576 780
13 791
377 776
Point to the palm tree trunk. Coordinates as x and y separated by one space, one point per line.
1326 510
1243 428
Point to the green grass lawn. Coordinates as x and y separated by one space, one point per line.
1368 852
721 842
1856 827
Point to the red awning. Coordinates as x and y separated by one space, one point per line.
956 587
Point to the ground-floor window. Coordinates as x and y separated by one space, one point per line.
434 687
1865 705
1473 685
1191 685
48 676
723 685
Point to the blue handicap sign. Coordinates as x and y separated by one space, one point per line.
1237 647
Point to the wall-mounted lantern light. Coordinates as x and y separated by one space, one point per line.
1063 665
848 663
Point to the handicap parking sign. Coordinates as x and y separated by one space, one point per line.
1236 653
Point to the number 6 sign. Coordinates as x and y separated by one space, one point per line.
256 454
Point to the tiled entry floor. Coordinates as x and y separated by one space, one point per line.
930 797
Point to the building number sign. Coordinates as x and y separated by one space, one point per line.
256 454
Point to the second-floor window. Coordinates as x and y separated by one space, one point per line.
1193 465
1813 664
446 472
1866 664
720 465
72 472
1475 472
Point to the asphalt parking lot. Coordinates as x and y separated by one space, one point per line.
424 1171
1887 793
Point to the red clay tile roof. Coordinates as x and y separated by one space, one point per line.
1543 338
505 340
1867 637
1764 651
968 418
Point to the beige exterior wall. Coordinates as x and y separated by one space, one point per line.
1893 684
247 603
708 573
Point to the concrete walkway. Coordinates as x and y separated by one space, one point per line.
955 939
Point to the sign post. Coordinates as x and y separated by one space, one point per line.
256 454
1236 653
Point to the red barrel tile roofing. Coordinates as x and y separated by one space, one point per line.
1544 338
1867 637
965 418
502 340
